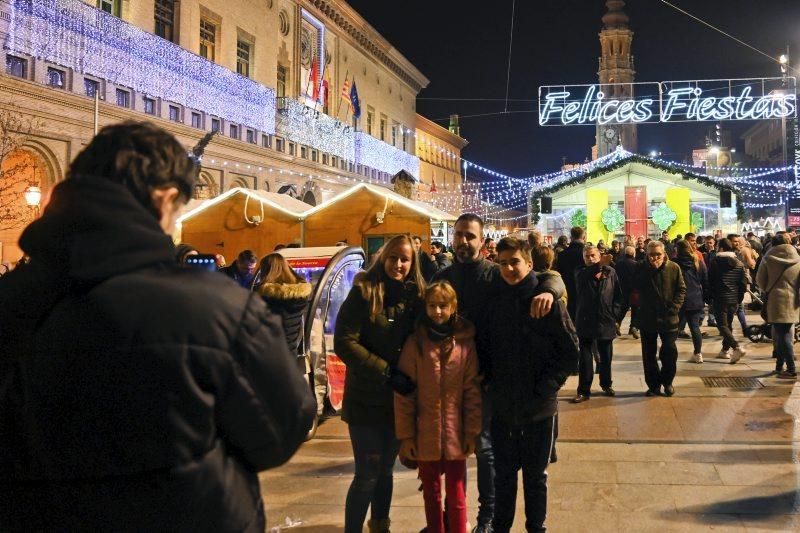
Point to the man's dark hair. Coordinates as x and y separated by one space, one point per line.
733 236
247 256
416 238
515 244
781 238
470 217
689 235
279 247
562 240
140 156
487 240
437 244
577 233
724 245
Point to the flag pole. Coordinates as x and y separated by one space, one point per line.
339 107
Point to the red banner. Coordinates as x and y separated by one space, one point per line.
636 211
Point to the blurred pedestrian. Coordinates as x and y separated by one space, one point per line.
439 422
661 290
373 323
144 396
779 276
427 265
728 282
286 294
695 276
598 308
626 272
568 262
244 270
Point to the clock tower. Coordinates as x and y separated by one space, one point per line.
616 73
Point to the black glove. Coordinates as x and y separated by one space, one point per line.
399 381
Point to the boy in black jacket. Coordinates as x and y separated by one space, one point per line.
527 361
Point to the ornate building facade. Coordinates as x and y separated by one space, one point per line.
268 75
616 75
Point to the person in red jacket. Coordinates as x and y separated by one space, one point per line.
439 422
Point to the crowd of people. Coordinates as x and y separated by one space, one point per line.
131 383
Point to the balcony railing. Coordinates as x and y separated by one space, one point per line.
78 36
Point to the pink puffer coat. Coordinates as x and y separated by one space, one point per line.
445 409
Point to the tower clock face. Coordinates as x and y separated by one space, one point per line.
610 133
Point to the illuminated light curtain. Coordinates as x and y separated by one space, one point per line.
636 211
596 202
678 200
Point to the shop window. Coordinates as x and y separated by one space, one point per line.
16 66
165 19
56 78
123 98
149 106
208 39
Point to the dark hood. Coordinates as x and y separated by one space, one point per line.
685 261
94 229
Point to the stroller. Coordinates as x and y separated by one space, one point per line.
763 332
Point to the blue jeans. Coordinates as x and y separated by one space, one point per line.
694 319
374 451
485 456
783 343
525 448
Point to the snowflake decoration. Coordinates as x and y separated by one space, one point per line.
578 219
697 221
612 218
664 217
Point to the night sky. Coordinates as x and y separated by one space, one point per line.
464 51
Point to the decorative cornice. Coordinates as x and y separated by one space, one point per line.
348 20
439 132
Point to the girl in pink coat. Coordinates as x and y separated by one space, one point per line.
437 424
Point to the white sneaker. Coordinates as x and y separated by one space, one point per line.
697 358
738 353
724 354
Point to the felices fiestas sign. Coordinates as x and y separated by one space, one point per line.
669 101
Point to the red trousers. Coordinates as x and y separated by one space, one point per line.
455 472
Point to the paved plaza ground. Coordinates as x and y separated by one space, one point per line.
709 458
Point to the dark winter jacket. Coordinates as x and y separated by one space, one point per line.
442 261
290 301
137 395
728 279
599 302
476 283
247 282
626 273
568 262
527 360
368 346
696 283
661 295
427 266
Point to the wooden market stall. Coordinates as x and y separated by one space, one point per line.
242 219
367 215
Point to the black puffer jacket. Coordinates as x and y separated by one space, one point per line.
528 359
728 279
367 346
290 301
136 395
599 302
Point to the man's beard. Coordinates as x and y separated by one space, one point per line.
465 254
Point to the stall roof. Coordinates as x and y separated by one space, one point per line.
281 202
420 207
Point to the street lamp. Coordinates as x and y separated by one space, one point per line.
33 196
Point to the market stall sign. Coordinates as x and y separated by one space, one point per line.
612 218
664 217
668 101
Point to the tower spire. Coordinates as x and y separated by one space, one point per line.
616 17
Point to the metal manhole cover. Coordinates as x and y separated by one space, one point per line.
733 382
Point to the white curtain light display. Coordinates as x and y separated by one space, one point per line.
384 157
307 126
73 34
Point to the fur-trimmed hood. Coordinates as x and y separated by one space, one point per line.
286 291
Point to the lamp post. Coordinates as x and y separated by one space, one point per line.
33 195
